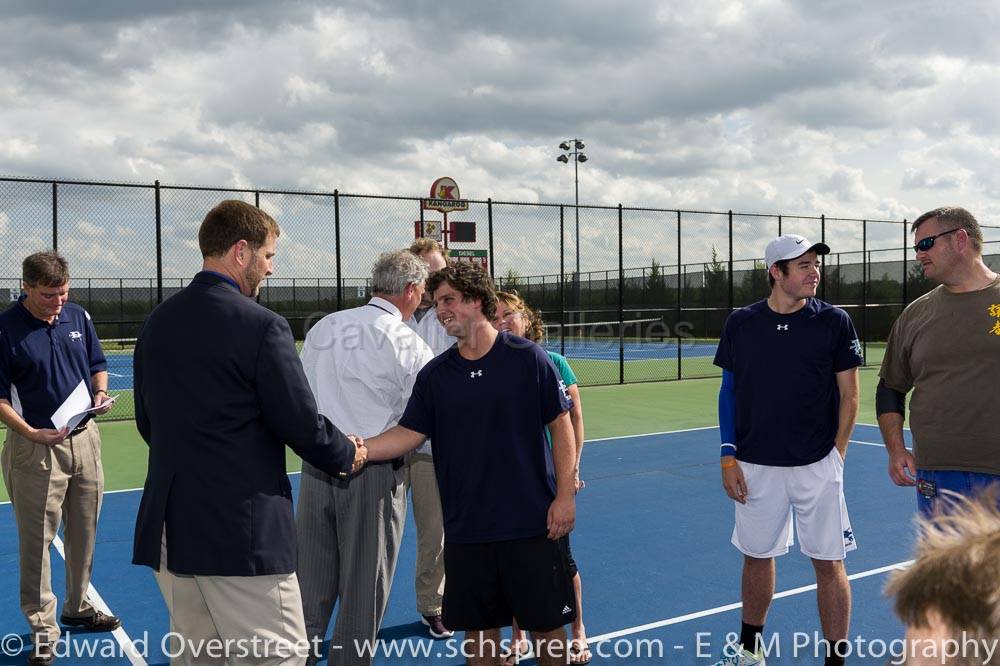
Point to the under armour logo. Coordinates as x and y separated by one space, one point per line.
475 374
567 610
782 327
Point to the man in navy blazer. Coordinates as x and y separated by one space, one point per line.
219 391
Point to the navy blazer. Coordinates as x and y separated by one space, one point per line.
219 391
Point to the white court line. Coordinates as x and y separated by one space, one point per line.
858 441
128 649
728 607
589 441
872 425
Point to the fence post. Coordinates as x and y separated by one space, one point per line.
864 288
906 273
562 275
55 218
489 221
621 301
680 291
256 199
779 225
159 243
732 299
822 266
336 246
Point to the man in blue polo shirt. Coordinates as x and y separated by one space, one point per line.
506 498
787 407
50 357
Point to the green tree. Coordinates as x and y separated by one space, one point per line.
656 288
511 281
754 286
716 281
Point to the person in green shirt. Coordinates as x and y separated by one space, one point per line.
514 315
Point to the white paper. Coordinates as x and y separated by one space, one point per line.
74 420
77 401
76 407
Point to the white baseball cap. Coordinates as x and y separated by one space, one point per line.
791 246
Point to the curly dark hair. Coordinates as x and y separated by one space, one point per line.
469 280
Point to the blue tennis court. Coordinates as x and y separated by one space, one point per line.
661 580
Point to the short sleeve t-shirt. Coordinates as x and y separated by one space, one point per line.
946 347
784 367
41 363
487 418
568 378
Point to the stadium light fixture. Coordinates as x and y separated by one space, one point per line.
572 148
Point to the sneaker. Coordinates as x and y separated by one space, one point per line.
742 658
41 655
436 626
96 622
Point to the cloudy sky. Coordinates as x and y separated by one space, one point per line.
854 109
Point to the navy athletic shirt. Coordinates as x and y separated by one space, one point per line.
784 366
41 364
487 421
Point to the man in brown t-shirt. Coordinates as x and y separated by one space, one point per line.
946 347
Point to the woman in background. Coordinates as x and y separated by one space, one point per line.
514 315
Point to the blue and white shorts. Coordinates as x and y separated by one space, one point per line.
812 494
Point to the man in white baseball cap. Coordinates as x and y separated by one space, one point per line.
787 407
791 246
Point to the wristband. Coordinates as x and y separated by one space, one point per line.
101 391
728 465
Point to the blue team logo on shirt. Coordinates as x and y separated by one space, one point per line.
848 537
856 348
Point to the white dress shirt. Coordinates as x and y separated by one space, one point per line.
361 364
431 331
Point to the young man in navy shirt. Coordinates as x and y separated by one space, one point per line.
506 497
49 351
787 407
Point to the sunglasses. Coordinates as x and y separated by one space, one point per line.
924 244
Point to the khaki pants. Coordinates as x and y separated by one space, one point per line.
429 578
48 485
234 619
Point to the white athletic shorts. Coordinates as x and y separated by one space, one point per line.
814 494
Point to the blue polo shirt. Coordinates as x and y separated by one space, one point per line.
41 363
487 421
784 368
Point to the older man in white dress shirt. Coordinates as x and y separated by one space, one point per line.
361 364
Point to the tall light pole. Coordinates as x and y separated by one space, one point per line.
572 148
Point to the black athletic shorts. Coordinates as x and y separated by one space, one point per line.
568 554
488 584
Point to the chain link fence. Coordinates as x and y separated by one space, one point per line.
628 294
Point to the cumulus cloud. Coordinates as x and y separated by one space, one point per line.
780 106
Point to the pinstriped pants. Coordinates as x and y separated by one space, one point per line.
349 533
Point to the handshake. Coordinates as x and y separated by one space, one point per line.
360 454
